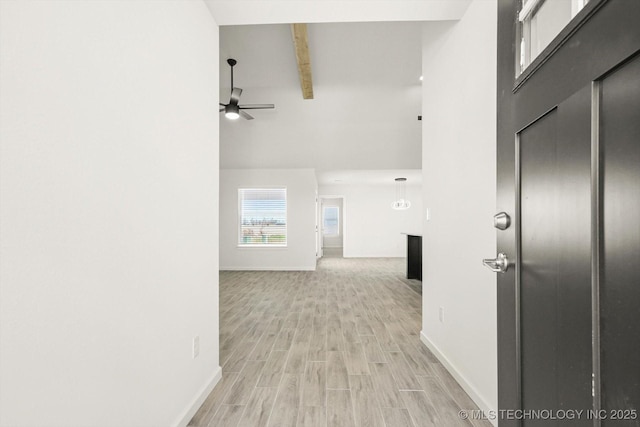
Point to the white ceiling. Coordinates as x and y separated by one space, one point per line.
243 12
342 54
367 96
377 177
367 92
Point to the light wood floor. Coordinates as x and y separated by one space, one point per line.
336 347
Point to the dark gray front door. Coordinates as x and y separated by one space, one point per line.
569 177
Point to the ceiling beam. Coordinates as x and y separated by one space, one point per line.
300 42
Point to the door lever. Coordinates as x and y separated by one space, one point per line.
497 265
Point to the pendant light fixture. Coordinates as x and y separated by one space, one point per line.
401 202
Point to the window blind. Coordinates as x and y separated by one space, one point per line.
331 221
263 216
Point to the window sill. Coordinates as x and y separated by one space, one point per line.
261 246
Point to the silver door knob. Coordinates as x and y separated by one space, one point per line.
498 265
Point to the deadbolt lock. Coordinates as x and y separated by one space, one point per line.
501 221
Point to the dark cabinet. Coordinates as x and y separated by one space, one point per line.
414 257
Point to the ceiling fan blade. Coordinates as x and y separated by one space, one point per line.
246 115
256 106
222 105
221 109
235 95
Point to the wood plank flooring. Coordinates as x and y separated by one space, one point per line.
336 347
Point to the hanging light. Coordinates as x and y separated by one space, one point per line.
401 202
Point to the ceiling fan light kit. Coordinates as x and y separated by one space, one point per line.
233 110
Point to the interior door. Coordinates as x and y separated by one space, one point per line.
569 180
319 232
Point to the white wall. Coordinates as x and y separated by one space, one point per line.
108 211
300 253
459 150
371 227
330 132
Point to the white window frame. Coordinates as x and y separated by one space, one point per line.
527 54
241 240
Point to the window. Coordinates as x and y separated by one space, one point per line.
263 216
540 22
331 221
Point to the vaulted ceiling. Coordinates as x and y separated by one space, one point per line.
367 92
364 112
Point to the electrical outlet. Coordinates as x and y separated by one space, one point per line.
441 314
196 346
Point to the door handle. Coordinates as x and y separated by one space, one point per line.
497 265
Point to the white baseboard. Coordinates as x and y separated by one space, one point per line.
244 268
466 386
188 413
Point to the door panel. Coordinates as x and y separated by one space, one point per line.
565 287
555 259
603 42
620 237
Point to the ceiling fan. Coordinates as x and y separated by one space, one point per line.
232 110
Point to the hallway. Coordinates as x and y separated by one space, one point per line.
336 347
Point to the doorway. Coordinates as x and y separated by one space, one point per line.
332 226
568 173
